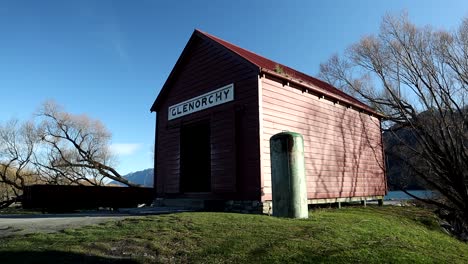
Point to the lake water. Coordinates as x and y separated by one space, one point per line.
399 195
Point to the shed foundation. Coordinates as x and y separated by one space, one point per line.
250 206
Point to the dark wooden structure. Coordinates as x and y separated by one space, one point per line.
72 197
221 104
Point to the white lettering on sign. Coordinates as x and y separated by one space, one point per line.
219 96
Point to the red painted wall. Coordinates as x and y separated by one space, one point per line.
234 125
343 151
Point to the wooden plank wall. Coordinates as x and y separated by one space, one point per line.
343 148
207 68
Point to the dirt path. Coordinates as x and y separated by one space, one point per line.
50 223
27 224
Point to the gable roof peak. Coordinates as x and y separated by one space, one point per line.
271 67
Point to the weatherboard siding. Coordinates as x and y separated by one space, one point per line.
234 152
342 146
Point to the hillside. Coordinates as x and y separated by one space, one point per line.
399 175
144 177
386 234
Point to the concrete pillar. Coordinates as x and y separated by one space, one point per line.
288 175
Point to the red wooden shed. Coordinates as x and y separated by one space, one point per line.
217 111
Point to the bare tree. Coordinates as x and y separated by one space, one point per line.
55 148
17 146
418 78
76 148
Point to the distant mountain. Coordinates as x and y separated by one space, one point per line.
144 177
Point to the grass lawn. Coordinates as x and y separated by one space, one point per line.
349 235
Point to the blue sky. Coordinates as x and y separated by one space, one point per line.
109 59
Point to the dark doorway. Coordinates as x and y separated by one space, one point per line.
195 157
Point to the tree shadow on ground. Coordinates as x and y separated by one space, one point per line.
56 257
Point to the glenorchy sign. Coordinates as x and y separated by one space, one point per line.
219 96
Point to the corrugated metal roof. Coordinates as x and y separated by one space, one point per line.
272 66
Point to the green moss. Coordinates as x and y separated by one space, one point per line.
279 69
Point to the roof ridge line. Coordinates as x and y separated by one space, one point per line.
264 63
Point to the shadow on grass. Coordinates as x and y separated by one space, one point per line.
419 215
55 257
